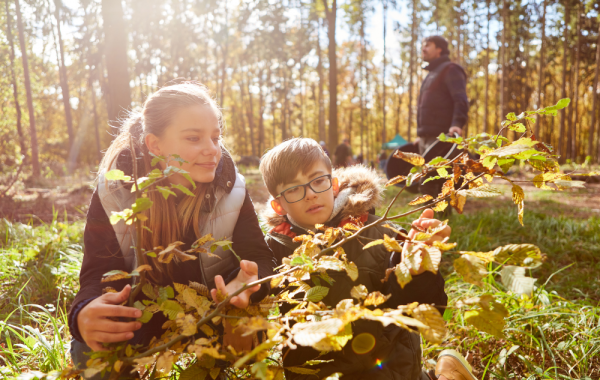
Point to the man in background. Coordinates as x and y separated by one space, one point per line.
443 103
343 154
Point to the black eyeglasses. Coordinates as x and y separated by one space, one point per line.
297 193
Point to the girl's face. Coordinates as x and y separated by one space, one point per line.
194 135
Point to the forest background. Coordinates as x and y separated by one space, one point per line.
322 69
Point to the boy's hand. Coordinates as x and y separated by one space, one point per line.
425 221
248 273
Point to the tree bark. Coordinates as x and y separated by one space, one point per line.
94 110
249 113
573 111
331 14
590 150
35 161
117 67
563 112
411 70
64 84
540 88
383 110
503 62
487 71
14 80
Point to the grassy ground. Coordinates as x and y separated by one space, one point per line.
555 334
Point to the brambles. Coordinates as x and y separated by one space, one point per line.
195 320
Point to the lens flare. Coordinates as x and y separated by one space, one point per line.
379 363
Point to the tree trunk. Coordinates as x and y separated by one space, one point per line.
411 73
487 72
540 88
331 14
362 84
595 102
383 108
322 135
14 80
35 161
64 84
249 113
563 113
502 90
225 53
94 110
573 111
117 67
261 121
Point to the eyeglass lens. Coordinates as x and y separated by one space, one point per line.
318 185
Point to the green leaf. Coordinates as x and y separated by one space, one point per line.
316 293
183 189
171 308
141 204
442 172
471 268
116 175
165 191
146 316
562 103
523 255
511 116
157 159
297 261
437 160
518 127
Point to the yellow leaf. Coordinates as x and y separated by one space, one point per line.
303 371
431 259
373 243
214 372
166 255
488 321
413 258
447 188
309 333
164 363
359 292
411 158
523 255
203 240
485 191
276 281
182 256
117 365
519 198
391 244
376 299
421 199
440 206
395 180
187 325
515 280
443 246
485 256
402 274
436 326
350 226
193 372
458 201
115 275
180 288
471 268
143 267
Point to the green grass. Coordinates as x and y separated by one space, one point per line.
554 334
39 269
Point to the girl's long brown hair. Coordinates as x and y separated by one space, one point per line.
167 220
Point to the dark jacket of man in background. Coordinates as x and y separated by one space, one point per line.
443 99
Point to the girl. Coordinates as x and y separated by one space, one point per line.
179 119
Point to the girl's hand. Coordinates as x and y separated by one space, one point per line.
248 273
425 221
95 327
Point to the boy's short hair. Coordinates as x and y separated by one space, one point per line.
439 42
282 164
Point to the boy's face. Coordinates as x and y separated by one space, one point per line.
314 208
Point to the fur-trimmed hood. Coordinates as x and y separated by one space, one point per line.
360 187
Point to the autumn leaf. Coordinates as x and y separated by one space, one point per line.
518 197
443 246
458 201
524 255
193 372
447 188
431 259
440 206
376 299
430 317
187 325
373 243
421 199
309 333
411 158
403 275
391 244
413 258
488 321
508 150
171 309
166 255
515 280
115 275
485 191
302 370
164 363
395 180
351 227
199 288
116 175
359 292
471 268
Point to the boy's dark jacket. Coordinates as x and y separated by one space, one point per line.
397 349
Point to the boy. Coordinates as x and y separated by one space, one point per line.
298 175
